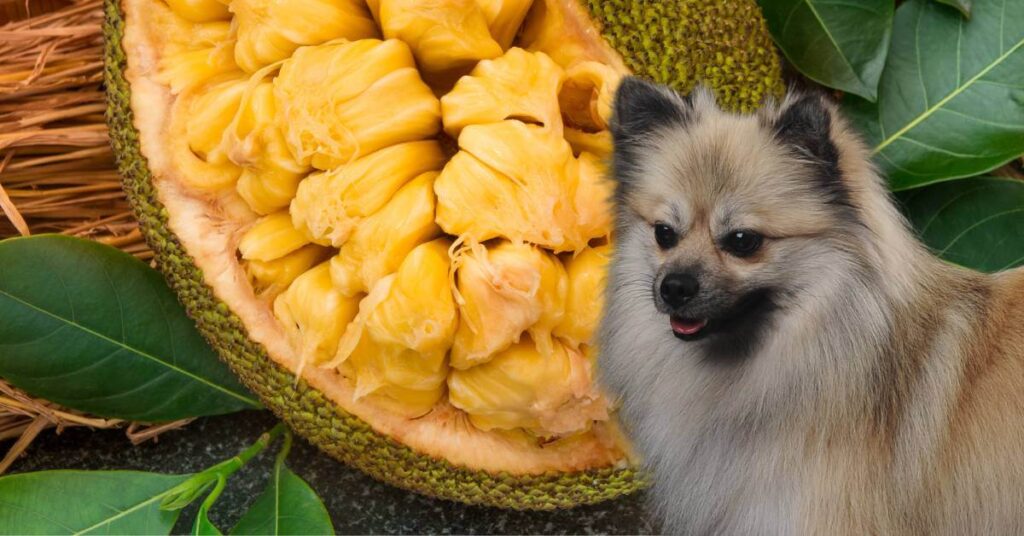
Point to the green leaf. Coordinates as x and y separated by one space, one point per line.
287 506
951 98
838 43
86 502
964 6
977 223
94 329
202 525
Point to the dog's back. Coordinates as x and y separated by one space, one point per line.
837 378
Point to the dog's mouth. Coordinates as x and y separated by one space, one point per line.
688 329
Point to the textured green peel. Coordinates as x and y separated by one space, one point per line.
724 45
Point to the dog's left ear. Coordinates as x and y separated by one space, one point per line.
805 125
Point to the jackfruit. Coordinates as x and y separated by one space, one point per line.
585 298
593 197
447 37
515 181
503 292
255 142
200 10
271 237
196 51
314 315
504 18
271 277
586 95
550 395
333 101
518 85
329 205
427 304
380 242
397 346
270 30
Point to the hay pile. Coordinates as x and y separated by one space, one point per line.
57 172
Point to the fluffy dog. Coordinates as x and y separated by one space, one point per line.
789 359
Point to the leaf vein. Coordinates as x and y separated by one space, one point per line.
133 350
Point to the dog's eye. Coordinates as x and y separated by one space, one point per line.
742 243
665 235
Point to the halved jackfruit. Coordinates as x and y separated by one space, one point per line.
425 315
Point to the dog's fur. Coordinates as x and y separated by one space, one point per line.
852 383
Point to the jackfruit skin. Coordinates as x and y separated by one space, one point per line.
732 52
308 411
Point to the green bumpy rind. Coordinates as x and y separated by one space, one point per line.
723 44
346 437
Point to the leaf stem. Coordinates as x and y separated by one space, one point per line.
183 494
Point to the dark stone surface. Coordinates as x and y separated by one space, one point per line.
357 503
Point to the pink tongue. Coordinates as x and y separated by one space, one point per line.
687 327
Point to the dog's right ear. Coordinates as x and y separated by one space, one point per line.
642 107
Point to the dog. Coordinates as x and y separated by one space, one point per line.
785 354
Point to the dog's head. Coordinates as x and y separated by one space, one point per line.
726 216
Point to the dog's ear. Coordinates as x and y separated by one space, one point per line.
805 125
642 107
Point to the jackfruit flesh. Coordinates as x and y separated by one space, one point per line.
341 101
427 271
271 237
518 85
271 30
271 277
504 18
521 387
515 181
448 37
329 205
586 96
378 245
201 10
585 298
398 344
195 51
314 315
505 291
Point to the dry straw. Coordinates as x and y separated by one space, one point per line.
57 172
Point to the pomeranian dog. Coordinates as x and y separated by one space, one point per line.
788 358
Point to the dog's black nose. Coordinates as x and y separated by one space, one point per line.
677 289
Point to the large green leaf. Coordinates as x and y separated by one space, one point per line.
92 328
978 223
287 506
86 502
951 97
839 43
964 6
